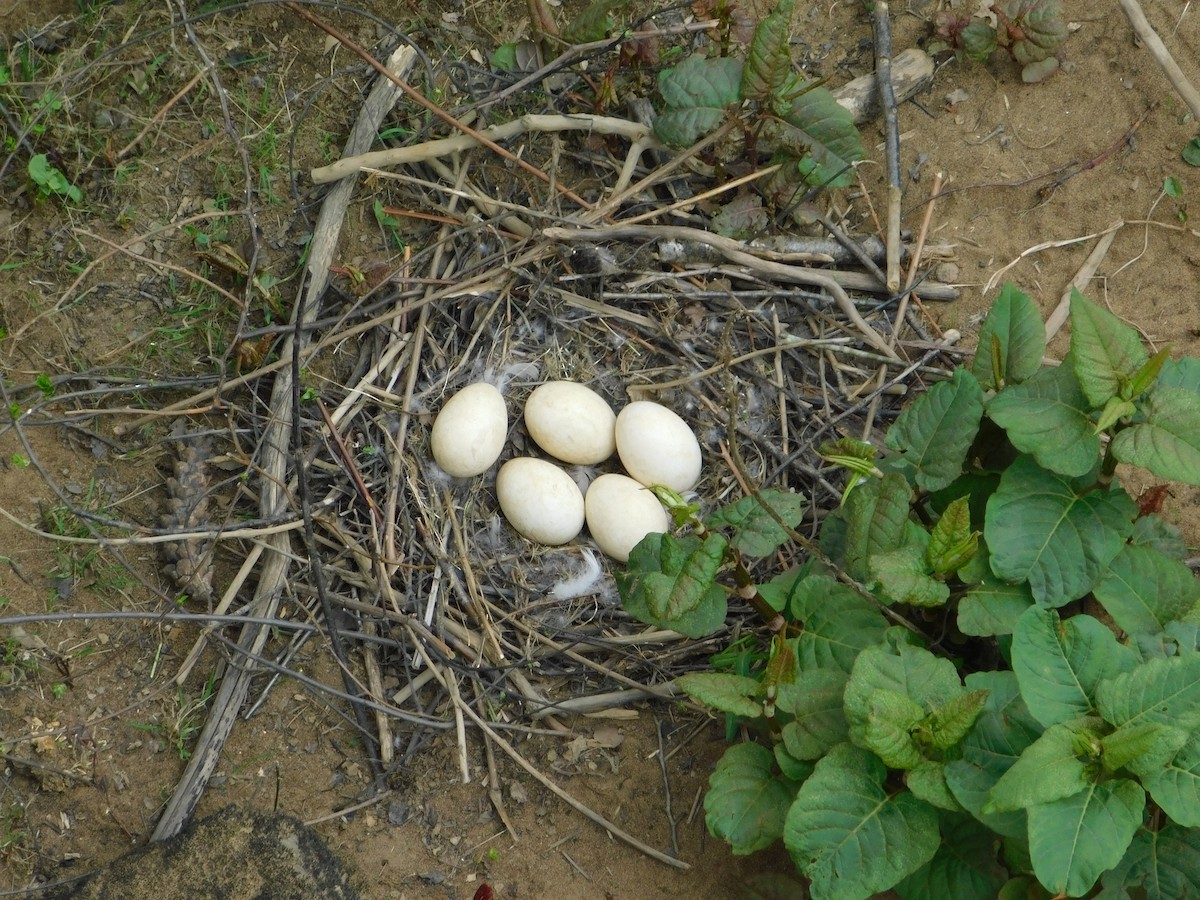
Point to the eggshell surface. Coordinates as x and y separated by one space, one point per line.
571 422
657 447
540 500
469 433
620 512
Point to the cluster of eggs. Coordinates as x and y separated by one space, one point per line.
575 425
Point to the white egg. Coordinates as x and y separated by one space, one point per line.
620 512
469 432
571 422
657 447
540 500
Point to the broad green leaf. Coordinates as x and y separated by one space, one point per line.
1142 747
1159 865
1106 352
1049 769
1158 690
663 566
1176 788
593 24
913 672
689 573
756 531
1014 327
1154 531
1000 736
952 544
1048 417
1060 663
949 723
1184 373
838 624
745 804
849 835
815 703
876 515
935 431
964 867
888 730
1041 530
769 60
779 590
1143 590
793 769
1073 840
903 577
1167 443
817 130
697 93
927 781
733 694
993 607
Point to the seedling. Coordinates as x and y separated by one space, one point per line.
50 180
985 680
1030 31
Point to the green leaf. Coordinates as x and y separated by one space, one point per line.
952 544
1049 769
1184 373
1048 417
838 624
909 671
1158 690
1191 152
927 781
849 836
903 577
1015 324
1144 589
689 573
757 533
1000 736
935 431
876 515
1148 374
1040 530
1107 353
1073 840
888 729
1168 441
1172 188
697 93
1154 531
793 769
662 570
815 703
1131 743
733 694
504 58
979 40
1159 865
593 24
993 607
1060 663
746 805
1176 788
769 60
816 130
964 867
949 723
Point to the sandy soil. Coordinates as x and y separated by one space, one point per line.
91 725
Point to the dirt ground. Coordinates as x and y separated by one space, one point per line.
92 727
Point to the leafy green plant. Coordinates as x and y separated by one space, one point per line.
985 679
1030 31
798 119
50 180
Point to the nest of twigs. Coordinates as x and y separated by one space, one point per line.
442 615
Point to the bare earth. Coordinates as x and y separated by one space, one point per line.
91 724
